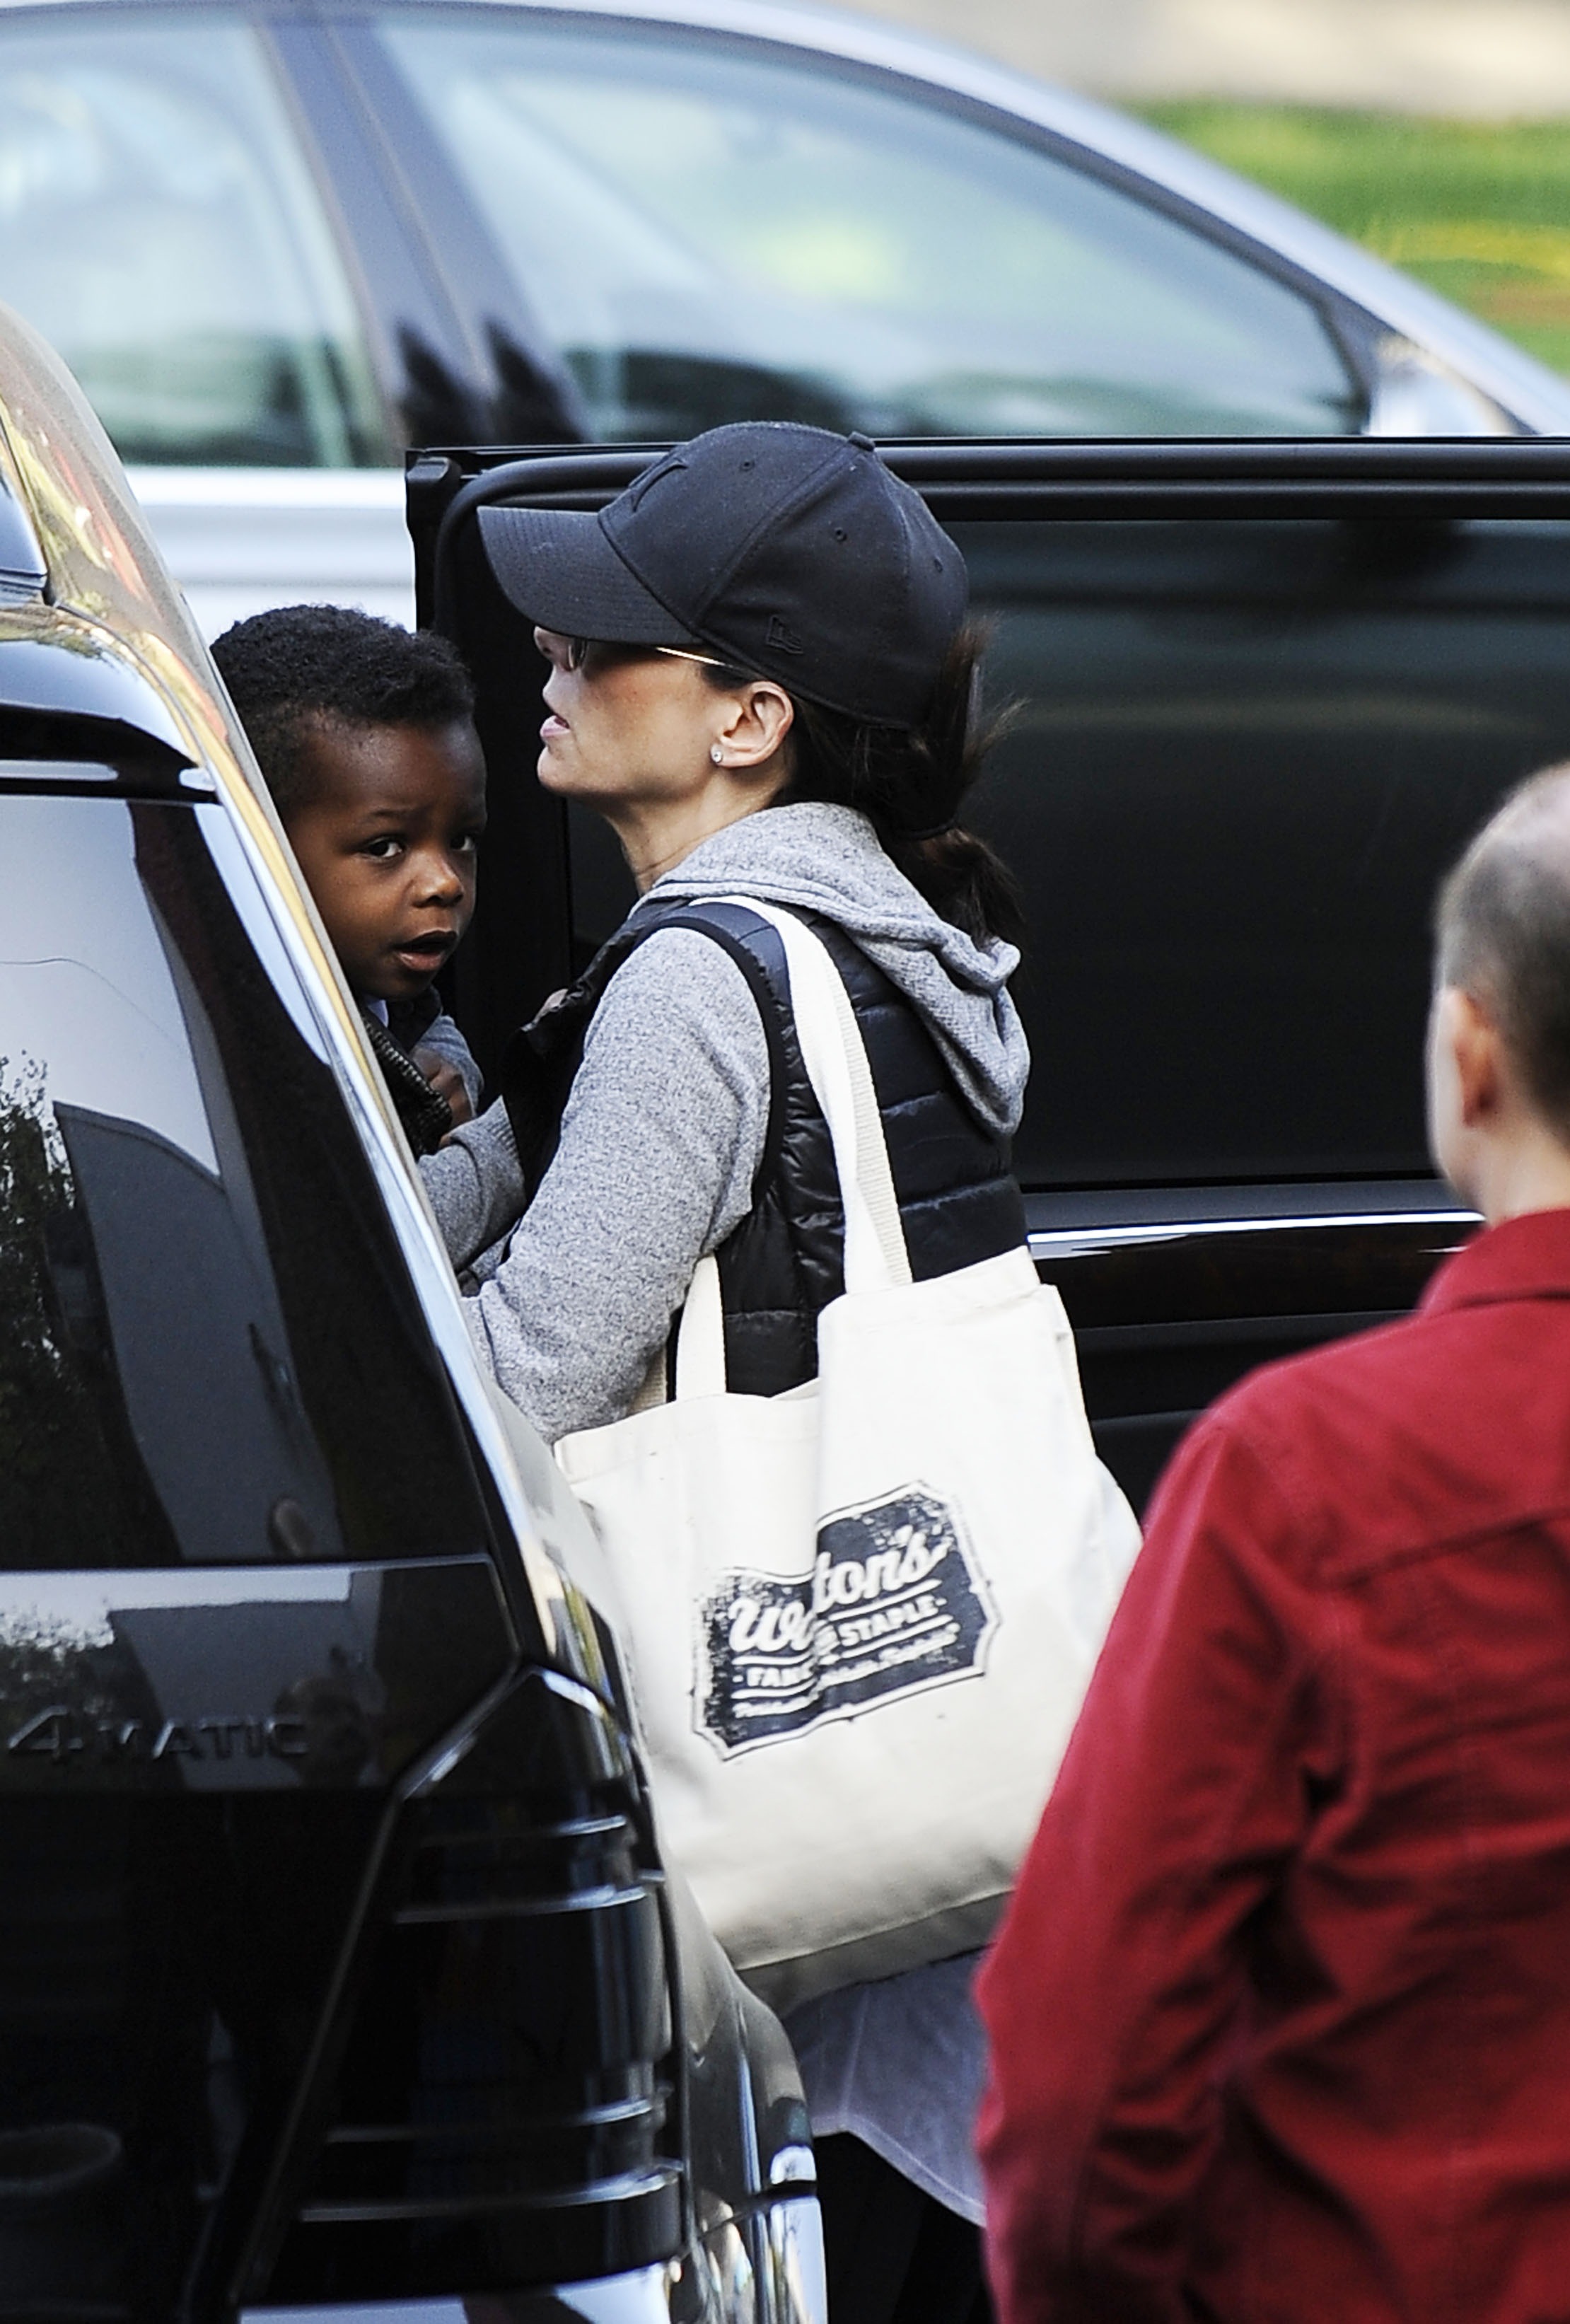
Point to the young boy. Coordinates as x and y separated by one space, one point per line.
364 734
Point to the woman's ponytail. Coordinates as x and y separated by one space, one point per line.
964 881
911 784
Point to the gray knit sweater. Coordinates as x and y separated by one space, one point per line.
667 1120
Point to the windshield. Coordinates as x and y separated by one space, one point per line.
212 1353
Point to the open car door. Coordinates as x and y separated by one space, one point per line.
1265 691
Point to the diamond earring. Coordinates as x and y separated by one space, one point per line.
717 755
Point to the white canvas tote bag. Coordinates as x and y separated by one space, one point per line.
861 1615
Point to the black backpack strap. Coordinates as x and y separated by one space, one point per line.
540 1060
755 947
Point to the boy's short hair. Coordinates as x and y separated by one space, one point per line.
300 662
1502 926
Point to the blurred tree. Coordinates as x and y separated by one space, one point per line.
72 1491
1480 211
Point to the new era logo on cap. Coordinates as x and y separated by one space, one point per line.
780 635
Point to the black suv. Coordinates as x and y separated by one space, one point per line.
338 1962
1264 691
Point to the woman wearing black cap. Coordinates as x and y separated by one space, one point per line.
760 677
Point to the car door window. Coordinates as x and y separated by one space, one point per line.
1243 754
209 1353
158 225
706 232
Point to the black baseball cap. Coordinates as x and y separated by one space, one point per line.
789 550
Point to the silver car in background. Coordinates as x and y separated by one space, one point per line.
278 243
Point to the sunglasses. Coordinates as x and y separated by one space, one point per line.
579 649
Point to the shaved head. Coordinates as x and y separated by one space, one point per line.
1503 935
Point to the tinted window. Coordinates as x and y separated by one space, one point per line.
211 1351
158 225
707 235
1245 753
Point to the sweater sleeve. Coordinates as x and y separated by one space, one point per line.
442 1037
661 1143
1117 1986
475 1184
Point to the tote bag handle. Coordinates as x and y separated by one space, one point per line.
835 1057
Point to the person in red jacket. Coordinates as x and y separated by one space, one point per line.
1280 2012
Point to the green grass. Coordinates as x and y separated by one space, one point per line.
1480 211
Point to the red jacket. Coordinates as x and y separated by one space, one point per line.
1280 2012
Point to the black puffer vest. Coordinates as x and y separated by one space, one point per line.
784 1264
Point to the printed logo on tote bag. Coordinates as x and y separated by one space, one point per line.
895 1604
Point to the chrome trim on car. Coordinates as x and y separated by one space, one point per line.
641 2296
1075 1243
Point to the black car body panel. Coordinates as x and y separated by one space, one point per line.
1262 693
338 1959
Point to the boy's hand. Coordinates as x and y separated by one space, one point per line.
446 1080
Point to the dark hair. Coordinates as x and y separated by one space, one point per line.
300 663
911 784
1502 934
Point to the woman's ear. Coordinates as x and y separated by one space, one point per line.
755 721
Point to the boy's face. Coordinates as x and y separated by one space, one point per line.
387 839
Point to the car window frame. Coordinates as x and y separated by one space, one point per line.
480 295
404 301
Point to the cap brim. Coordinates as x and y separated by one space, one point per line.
557 566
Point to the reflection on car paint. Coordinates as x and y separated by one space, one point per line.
227 1680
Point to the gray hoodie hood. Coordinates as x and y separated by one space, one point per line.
814 858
